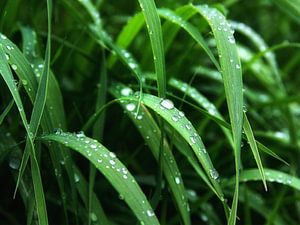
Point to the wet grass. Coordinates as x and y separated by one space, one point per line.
149 112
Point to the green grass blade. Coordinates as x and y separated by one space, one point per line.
201 100
151 134
117 174
154 29
253 146
39 195
191 30
232 78
271 176
6 111
165 108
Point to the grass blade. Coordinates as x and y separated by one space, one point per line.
253 146
154 29
117 174
232 78
151 134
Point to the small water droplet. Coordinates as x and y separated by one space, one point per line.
126 91
76 178
14 66
14 163
93 146
214 174
166 103
177 180
93 217
150 213
130 107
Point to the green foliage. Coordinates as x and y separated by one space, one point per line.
149 112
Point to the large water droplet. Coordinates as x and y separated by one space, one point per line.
177 180
166 103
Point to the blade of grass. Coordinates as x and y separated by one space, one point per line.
232 78
253 146
154 29
165 108
271 176
39 195
151 134
117 174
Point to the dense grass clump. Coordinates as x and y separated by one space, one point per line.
150 112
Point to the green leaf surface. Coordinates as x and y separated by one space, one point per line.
114 171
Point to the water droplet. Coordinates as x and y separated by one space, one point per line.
193 139
175 118
14 163
130 107
126 91
24 82
76 178
93 146
93 217
150 213
177 180
237 66
166 103
113 155
214 174
112 162
125 176
14 67
121 197
181 114
80 134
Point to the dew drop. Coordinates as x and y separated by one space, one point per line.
14 163
76 178
112 162
130 107
93 217
177 180
14 67
150 213
214 174
93 146
166 103
126 91
113 155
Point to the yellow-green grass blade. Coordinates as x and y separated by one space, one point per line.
232 79
155 33
113 169
151 133
253 146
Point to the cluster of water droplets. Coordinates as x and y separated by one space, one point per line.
220 24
